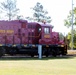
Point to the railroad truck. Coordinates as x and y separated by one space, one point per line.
23 37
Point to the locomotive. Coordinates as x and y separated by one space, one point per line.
23 37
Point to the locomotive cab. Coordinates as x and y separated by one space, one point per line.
34 33
46 33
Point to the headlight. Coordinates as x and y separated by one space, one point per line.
62 45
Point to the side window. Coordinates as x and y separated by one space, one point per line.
33 26
19 30
46 30
23 25
29 26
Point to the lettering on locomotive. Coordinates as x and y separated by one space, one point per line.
2 31
46 36
7 31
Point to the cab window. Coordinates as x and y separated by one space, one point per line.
46 30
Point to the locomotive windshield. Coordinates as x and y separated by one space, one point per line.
46 30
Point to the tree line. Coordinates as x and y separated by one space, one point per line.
9 8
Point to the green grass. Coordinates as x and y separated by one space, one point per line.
34 66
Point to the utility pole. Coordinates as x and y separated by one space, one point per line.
72 34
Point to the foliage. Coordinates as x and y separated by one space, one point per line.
61 36
39 14
67 22
69 39
9 7
20 17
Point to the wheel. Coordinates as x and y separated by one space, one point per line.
2 51
54 53
32 55
46 55
12 52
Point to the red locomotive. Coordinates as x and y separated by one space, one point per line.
23 37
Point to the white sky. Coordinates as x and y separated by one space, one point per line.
57 9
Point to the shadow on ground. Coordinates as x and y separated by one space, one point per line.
35 58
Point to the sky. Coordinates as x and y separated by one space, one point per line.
58 10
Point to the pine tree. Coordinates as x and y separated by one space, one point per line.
39 14
9 8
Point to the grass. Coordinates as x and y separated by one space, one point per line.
34 66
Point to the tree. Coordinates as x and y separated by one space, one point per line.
67 22
69 39
39 14
9 8
20 17
61 36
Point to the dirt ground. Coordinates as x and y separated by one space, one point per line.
72 52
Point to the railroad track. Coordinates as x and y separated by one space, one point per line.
71 53
23 56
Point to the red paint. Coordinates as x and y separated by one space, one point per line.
23 32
